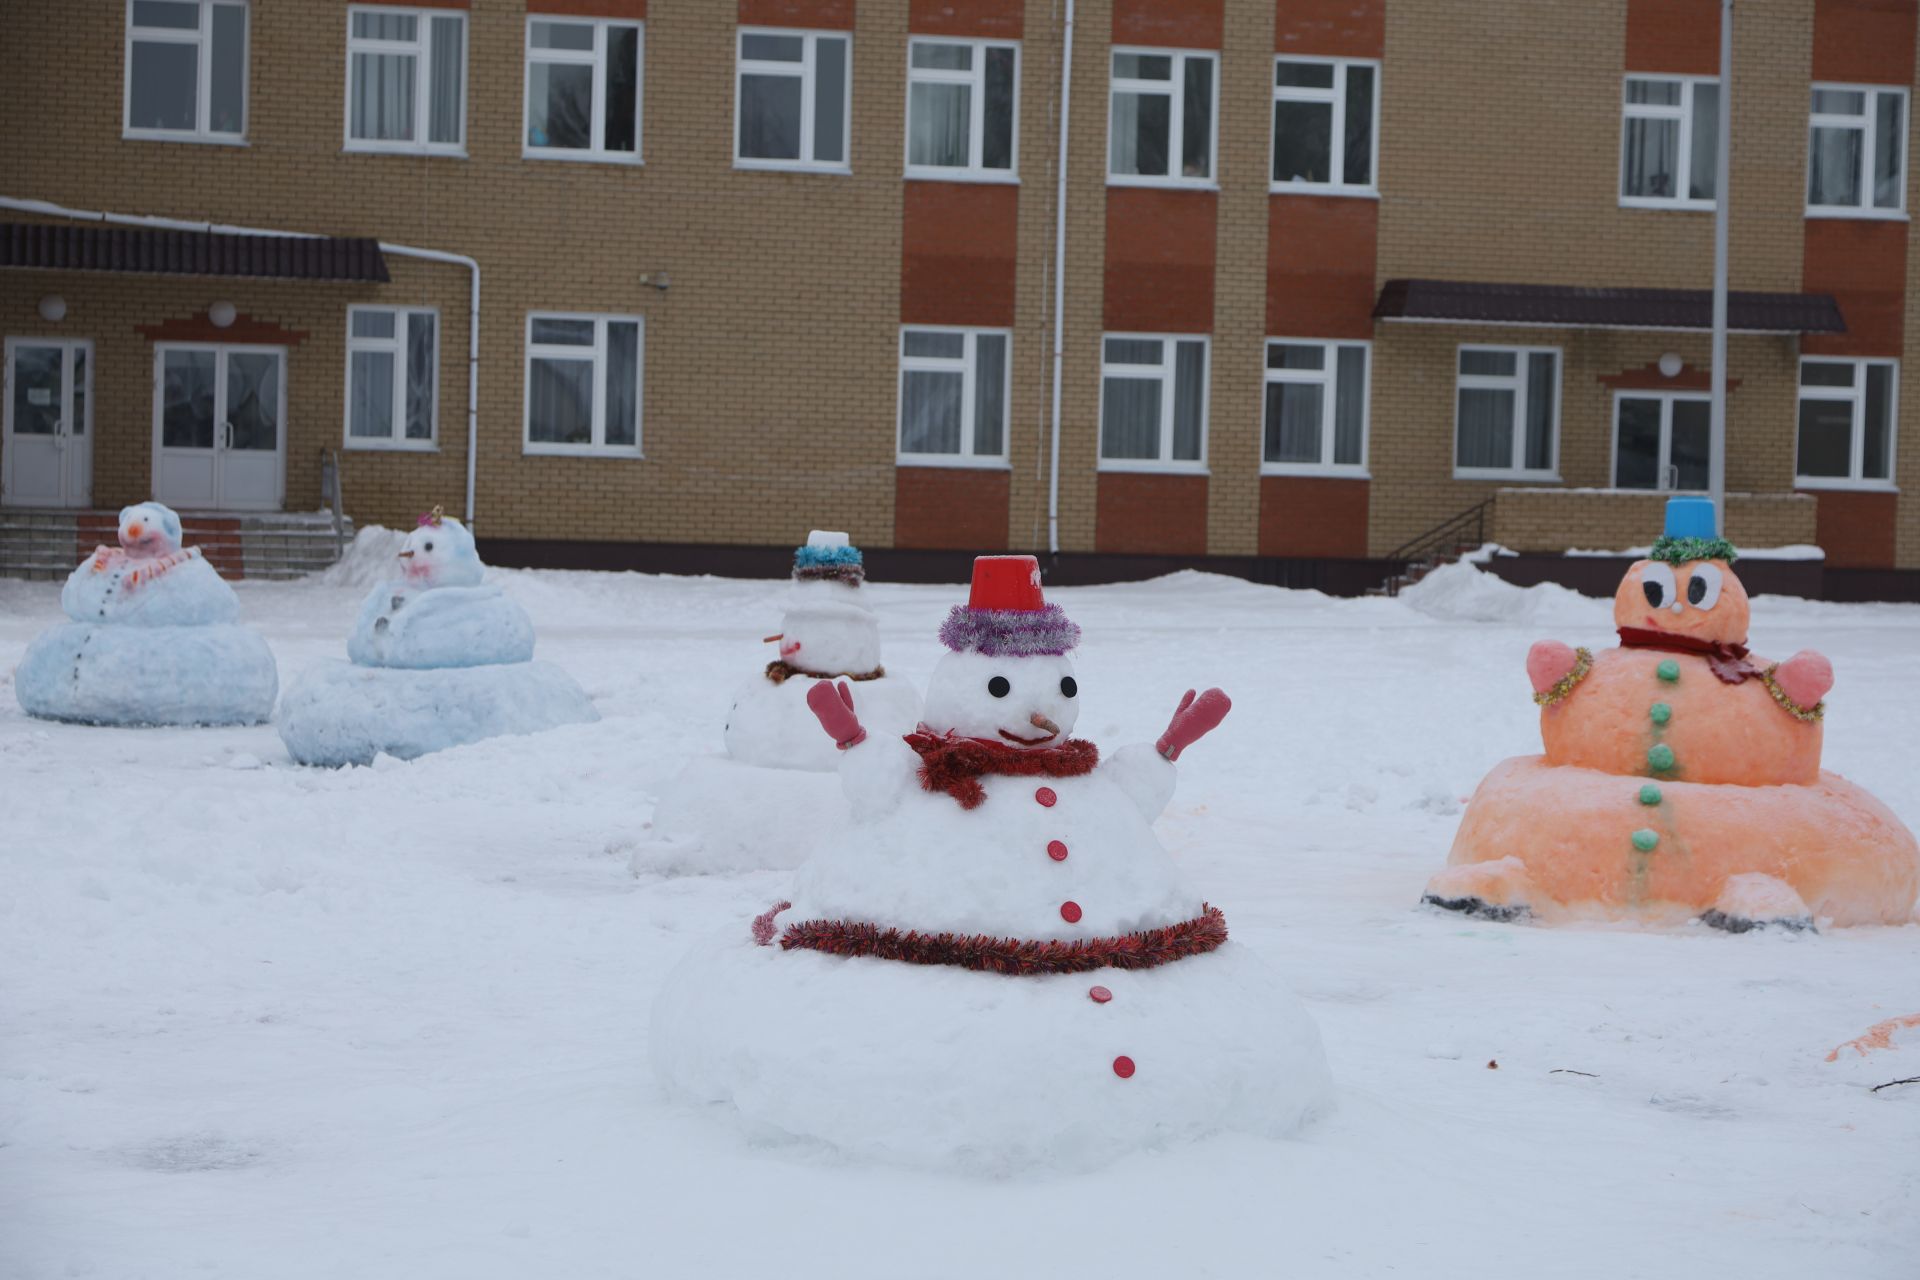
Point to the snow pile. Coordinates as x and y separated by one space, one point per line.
368 560
1459 592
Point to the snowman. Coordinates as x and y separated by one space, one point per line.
774 749
996 965
154 638
439 658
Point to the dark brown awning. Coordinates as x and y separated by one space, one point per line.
189 253
1569 307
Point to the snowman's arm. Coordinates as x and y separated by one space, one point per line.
1145 775
875 773
1554 669
1800 683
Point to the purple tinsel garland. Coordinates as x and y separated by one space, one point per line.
1009 633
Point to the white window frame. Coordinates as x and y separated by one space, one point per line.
560 351
397 347
804 70
595 58
1856 396
1516 383
967 366
421 49
1326 378
1683 116
1336 97
1665 464
203 91
976 79
1869 126
1165 371
1174 89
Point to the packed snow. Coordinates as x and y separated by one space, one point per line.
265 1020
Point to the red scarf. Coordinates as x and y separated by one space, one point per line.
955 765
1728 661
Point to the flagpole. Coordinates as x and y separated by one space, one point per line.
1723 168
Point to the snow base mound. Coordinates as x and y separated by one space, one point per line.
339 713
702 824
772 726
148 675
938 1067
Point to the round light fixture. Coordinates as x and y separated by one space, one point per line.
1670 365
222 314
53 308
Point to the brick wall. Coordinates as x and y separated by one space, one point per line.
1551 520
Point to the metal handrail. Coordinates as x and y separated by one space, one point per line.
1449 533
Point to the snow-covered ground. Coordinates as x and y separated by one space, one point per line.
270 1022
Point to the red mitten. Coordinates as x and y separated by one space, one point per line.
1805 677
1548 663
834 710
1193 720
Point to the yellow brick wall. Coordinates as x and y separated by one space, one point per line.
1552 520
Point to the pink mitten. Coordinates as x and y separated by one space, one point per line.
1193 720
1805 677
834 710
1548 663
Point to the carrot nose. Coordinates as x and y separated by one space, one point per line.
135 529
406 555
1041 722
770 639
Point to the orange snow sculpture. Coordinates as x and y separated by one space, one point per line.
1682 775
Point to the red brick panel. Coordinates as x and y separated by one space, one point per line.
835 14
1320 266
1868 41
1169 24
1856 530
1160 253
1863 263
974 19
635 10
1675 37
1313 516
245 328
1146 514
950 508
1331 28
959 244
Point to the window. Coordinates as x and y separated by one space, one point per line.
1857 151
406 80
583 90
1316 410
1669 141
1153 403
953 397
1161 118
792 97
1324 118
1507 413
961 103
583 384
393 374
1661 441
1846 423
186 75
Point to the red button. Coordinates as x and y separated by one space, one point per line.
1123 1066
1057 850
1070 912
1045 796
1100 995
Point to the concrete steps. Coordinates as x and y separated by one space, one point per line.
43 544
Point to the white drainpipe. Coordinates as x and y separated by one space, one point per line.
1060 281
52 210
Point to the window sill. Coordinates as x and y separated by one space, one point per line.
192 139
935 173
1840 484
791 166
1523 477
1856 215
568 155
951 462
1315 470
361 445
1125 466
1164 184
402 149
1667 206
530 450
1322 189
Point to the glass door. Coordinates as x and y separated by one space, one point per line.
1661 442
218 437
48 450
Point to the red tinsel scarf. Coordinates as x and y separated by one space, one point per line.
956 765
105 558
1728 661
1144 950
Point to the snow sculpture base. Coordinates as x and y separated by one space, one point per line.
770 724
211 674
941 1067
402 626
719 815
339 713
1557 841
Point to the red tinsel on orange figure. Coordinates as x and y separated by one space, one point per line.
1144 950
955 765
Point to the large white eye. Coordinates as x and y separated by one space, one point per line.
1703 591
1657 581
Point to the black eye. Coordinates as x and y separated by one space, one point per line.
1697 590
1068 686
1656 593
999 687
429 546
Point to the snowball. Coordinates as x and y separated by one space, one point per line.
189 594
134 675
404 626
718 815
771 725
961 698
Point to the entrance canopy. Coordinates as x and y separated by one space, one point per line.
152 251
1551 306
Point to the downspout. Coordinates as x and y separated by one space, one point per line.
1059 281
49 209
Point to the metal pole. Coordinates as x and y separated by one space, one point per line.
1723 197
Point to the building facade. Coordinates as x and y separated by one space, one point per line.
706 273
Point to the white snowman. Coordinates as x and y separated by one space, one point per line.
996 964
154 638
439 612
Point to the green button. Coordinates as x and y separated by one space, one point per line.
1649 794
1645 840
1668 670
1660 712
1660 757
